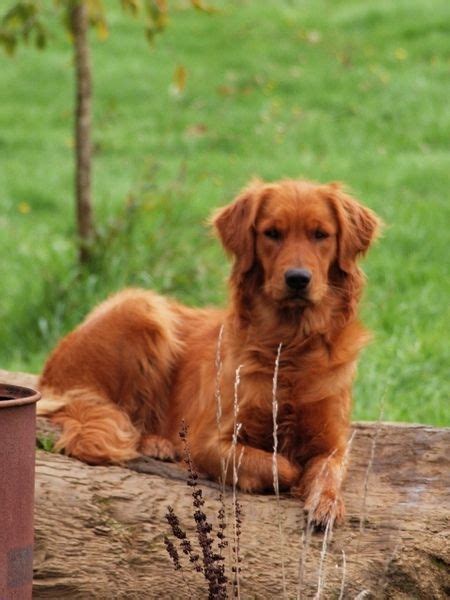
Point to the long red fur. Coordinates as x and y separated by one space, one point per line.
121 383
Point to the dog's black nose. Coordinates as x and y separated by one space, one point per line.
297 279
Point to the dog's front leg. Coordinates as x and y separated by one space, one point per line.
324 427
320 489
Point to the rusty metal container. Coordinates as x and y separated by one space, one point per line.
17 457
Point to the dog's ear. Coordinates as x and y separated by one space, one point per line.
358 226
235 225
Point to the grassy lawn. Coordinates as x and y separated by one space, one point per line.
329 90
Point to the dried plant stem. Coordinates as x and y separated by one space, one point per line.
219 365
223 516
222 525
213 567
346 456
306 538
237 519
173 553
276 485
236 425
381 586
305 544
329 526
323 553
236 507
301 565
218 398
344 573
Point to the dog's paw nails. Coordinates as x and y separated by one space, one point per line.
158 447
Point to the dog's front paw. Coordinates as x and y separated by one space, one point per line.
157 446
288 473
325 508
250 483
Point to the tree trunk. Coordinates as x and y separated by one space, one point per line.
100 530
85 229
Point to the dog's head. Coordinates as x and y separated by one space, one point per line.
289 239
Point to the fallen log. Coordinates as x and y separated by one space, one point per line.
99 531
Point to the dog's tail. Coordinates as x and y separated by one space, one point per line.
94 430
51 402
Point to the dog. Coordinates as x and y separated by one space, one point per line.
121 384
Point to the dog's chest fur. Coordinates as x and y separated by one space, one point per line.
263 383
308 373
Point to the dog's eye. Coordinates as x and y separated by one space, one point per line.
320 235
273 233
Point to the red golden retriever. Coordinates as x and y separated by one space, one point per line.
122 382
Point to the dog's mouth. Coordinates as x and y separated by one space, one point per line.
296 298
288 298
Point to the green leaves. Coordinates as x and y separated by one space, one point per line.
132 6
156 18
23 22
26 20
46 442
97 17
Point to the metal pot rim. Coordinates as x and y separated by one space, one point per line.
21 395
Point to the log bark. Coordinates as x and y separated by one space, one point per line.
100 531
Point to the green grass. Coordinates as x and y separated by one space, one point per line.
347 90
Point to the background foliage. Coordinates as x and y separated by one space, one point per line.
348 90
